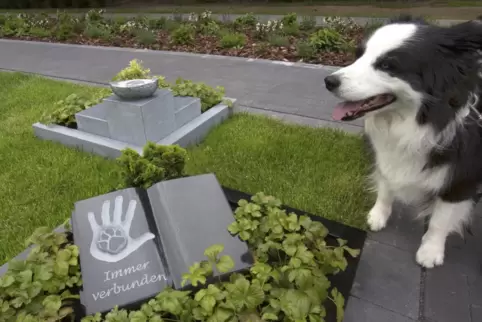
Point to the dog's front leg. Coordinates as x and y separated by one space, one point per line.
381 211
447 217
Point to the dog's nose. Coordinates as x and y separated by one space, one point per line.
332 82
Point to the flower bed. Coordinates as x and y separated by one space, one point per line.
286 39
290 280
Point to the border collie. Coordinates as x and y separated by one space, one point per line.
419 89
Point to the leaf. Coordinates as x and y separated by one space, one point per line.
351 251
6 281
225 264
213 251
339 301
52 304
304 254
207 303
220 315
61 268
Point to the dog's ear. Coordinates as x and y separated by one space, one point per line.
467 36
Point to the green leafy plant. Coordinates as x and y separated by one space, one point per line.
211 28
183 35
278 41
290 19
291 30
136 70
305 50
157 163
341 24
288 281
327 40
65 111
40 32
209 96
307 23
97 31
40 288
246 20
233 40
145 37
157 24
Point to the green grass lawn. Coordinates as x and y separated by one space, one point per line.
317 170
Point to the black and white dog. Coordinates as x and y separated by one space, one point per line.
419 89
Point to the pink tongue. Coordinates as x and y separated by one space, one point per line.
343 108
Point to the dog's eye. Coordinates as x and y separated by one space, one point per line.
385 65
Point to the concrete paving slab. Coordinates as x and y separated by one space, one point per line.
388 277
359 310
403 230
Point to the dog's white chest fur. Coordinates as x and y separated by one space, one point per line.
401 152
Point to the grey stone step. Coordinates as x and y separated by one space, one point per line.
131 121
186 109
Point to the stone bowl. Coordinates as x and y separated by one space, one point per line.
135 88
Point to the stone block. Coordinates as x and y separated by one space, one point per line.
186 109
94 120
139 121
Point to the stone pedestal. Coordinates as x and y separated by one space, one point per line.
139 121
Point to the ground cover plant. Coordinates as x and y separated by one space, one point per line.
285 39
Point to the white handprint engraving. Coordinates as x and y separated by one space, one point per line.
111 241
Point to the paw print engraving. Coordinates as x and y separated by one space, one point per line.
111 240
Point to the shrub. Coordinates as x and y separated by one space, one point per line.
97 31
327 39
211 28
290 19
278 41
233 40
65 111
157 163
171 25
184 34
246 20
292 30
270 27
308 23
209 96
64 31
341 25
305 50
145 37
157 24
40 32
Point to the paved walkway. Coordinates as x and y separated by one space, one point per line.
280 87
389 285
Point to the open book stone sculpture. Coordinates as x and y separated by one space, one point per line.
135 242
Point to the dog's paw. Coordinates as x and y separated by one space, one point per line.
430 254
377 218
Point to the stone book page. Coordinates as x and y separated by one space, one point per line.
119 251
191 214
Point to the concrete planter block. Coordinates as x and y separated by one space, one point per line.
186 109
139 121
192 133
94 120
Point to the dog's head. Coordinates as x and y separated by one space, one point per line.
409 63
